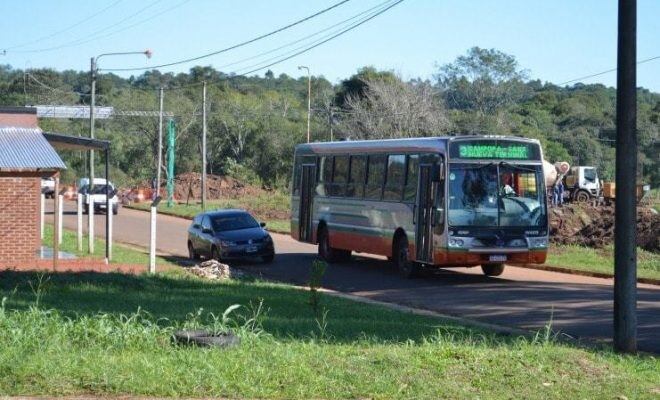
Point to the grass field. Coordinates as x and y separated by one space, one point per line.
270 207
601 260
110 334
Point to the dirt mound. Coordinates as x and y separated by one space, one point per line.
593 226
189 186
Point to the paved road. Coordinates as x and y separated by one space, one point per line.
579 306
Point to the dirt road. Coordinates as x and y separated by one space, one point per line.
578 306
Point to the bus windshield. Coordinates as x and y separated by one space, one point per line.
496 194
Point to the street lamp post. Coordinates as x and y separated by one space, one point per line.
90 186
93 71
309 97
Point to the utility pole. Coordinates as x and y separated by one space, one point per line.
91 121
625 218
309 98
204 146
160 141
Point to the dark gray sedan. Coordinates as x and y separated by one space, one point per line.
229 235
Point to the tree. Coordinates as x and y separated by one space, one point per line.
484 80
396 109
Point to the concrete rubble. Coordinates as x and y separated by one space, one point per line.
215 270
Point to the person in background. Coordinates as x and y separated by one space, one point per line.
560 193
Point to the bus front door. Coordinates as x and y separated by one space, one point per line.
307 181
424 215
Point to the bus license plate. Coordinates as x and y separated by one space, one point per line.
251 249
497 258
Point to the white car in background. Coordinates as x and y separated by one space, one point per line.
48 187
98 195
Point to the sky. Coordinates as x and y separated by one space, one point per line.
555 41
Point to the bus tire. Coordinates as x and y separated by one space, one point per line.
327 253
401 260
492 269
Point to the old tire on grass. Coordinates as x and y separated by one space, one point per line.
492 269
206 338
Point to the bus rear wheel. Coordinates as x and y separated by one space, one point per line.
492 269
400 260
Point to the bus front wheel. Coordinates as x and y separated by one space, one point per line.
407 269
328 253
492 269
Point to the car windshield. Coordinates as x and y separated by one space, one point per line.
97 189
233 222
495 195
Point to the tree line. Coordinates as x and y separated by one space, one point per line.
254 122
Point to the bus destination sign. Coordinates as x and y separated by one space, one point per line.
490 149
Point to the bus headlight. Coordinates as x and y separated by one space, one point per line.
538 242
456 243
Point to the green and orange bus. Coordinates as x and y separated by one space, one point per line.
460 201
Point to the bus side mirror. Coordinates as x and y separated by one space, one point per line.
438 173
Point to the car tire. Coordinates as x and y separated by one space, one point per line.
191 252
115 209
85 209
401 258
268 259
492 269
215 254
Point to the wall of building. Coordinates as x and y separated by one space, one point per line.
20 198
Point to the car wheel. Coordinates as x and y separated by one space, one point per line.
215 254
191 252
85 209
492 269
268 259
115 209
400 258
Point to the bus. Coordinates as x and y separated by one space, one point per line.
459 201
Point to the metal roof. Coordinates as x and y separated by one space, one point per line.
26 149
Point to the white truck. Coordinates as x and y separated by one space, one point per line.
98 195
581 183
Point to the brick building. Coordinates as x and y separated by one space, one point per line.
25 157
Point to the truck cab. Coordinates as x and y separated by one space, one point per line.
582 183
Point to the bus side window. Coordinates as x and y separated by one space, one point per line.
396 174
356 179
339 177
375 177
410 190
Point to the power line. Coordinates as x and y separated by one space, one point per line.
68 28
233 46
305 37
350 28
304 50
605 72
94 35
